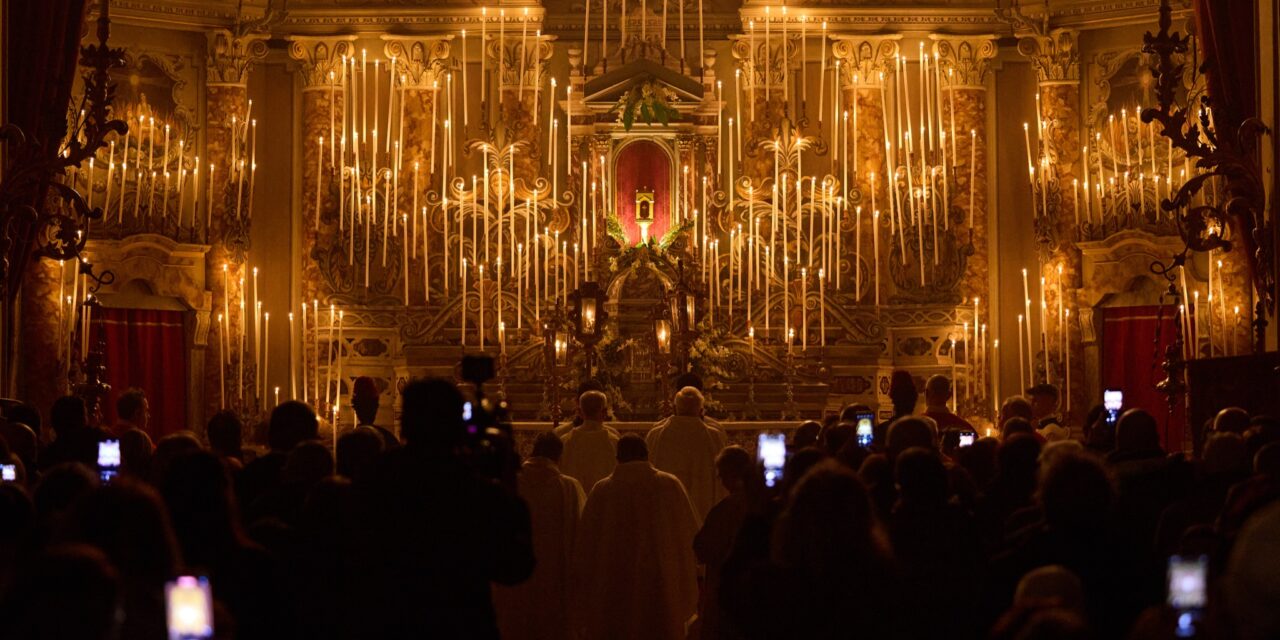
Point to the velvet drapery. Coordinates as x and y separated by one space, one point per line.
147 349
1128 341
643 164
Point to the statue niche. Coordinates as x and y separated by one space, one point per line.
642 175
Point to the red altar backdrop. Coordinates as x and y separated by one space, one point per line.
1130 363
643 164
146 348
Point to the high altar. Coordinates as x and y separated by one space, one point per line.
790 200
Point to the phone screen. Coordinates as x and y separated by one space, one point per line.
771 451
466 411
966 439
190 608
1112 400
1188 591
108 459
8 473
866 429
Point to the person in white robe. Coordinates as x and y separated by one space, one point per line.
538 609
687 448
635 576
590 451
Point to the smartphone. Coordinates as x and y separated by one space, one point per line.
466 411
866 429
108 459
8 472
1112 400
1188 591
967 438
189 602
771 451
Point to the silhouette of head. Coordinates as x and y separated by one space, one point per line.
22 441
127 521
1225 453
921 477
1016 425
364 399
850 412
291 423
308 463
1015 407
835 438
357 449
61 487
71 591
911 431
1019 457
548 445
132 406
226 434
68 414
828 525
903 392
593 405
631 448
733 463
1044 400
1076 493
1231 420
937 391
431 414
1267 460
806 435
1136 431
689 402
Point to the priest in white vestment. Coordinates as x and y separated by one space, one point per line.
538 609
590 451
686 447
635 576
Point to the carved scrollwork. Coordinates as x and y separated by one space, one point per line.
422 62
969 56
230 55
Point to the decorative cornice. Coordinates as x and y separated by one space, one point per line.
867 56
969 56
320 57
230 56
422 60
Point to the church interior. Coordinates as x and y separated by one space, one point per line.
639 319
790 199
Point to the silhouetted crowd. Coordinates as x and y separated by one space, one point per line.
914 526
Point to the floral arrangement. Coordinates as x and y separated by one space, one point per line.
649 101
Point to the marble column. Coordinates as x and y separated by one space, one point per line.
865 67
323 247
1056 60
43 378
967 60
226 97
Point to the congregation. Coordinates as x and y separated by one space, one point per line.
1042 529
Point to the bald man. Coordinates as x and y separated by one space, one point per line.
686 447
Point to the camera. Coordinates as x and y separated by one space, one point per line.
490 448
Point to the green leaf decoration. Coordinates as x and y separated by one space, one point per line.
647 101
673 233
614 228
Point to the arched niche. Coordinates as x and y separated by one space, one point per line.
643 164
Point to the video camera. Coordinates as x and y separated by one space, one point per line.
490 447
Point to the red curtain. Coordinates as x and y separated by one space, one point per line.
147 349
1226 29
643 164
1131 363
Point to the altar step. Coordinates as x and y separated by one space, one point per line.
731 402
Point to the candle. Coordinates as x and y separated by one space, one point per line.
222 362
875 250
1022 380
822 307
337 393
973 164
266 354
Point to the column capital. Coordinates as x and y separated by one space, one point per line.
507 58
1056 56
867 56
230 55
320 56
969 56
421 60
